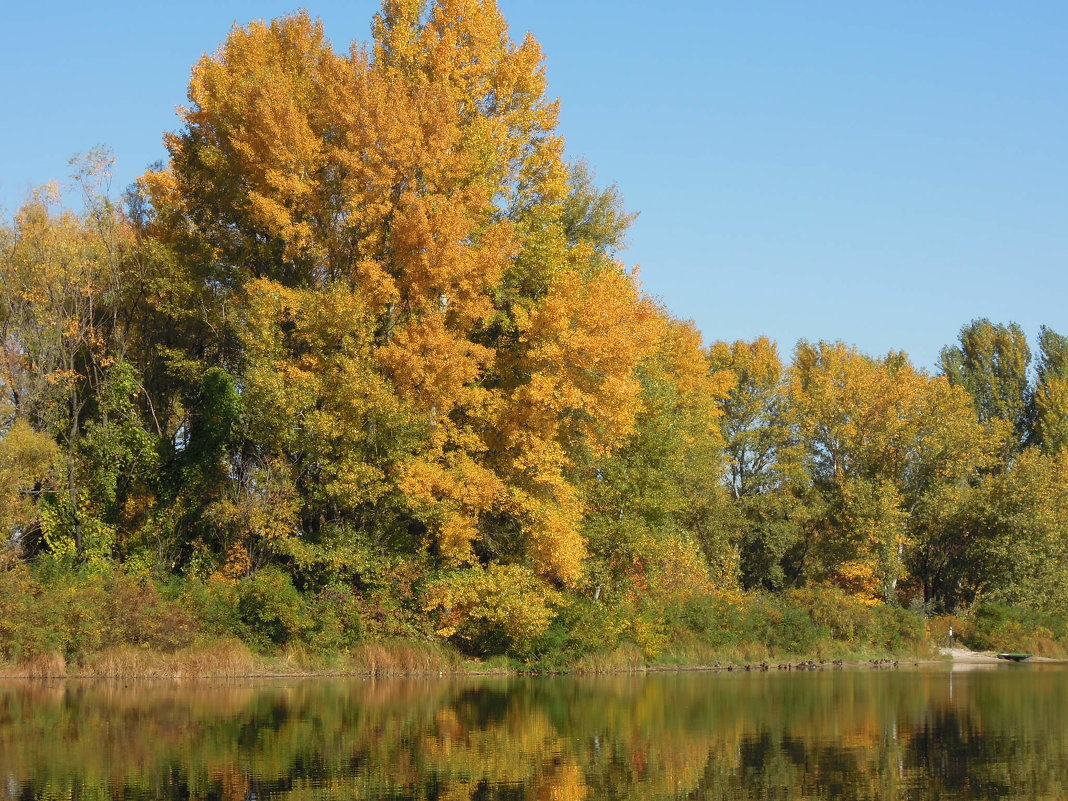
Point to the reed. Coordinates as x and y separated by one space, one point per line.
45 665
402 657
227 658
626 658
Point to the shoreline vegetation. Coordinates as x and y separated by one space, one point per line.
232 660
108 623
357 381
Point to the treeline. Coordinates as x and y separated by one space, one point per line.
361 359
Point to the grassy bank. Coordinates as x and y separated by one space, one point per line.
228 659
63 621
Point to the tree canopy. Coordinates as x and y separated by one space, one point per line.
366 331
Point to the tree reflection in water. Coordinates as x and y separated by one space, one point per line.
822 735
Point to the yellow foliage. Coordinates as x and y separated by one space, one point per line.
756 363
878 435
755 429
394 218
1051 414
259 513
880 418
480 603
675 570
27 460
859 579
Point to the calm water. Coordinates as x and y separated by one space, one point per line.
908 734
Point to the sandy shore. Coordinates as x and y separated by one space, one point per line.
966 656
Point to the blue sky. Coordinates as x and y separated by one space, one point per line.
879 173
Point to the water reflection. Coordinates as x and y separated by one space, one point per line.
916 734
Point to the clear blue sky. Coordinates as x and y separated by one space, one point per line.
879 173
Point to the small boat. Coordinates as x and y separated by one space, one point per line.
1015 657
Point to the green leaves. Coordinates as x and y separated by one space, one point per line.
991 362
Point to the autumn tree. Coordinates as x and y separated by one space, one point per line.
64 371
661 493
766 474
880 439
27 471
481 336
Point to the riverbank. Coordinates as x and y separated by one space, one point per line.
57 620
233 659
970 657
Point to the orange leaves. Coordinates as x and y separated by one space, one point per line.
441 265
583 343
327 153
262 106
431 366
415 324
556 546
449 495
579 349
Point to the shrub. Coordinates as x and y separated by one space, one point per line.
213 602
271 609
501 609
75 611
998 627
335 613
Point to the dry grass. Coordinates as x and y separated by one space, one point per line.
396 658
49 665
231 658
625 658
699 654
1048 647
222 659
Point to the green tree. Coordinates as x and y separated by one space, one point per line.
1051 392
991 362
665 484
765 474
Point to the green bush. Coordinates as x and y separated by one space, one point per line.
336 618
271 609
784 627
214 603
998 627
78 610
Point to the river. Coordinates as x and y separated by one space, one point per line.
911 733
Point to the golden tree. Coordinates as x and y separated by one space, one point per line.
420 184
880 439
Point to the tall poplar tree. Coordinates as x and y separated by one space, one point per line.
991 362
1051 392
423 347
